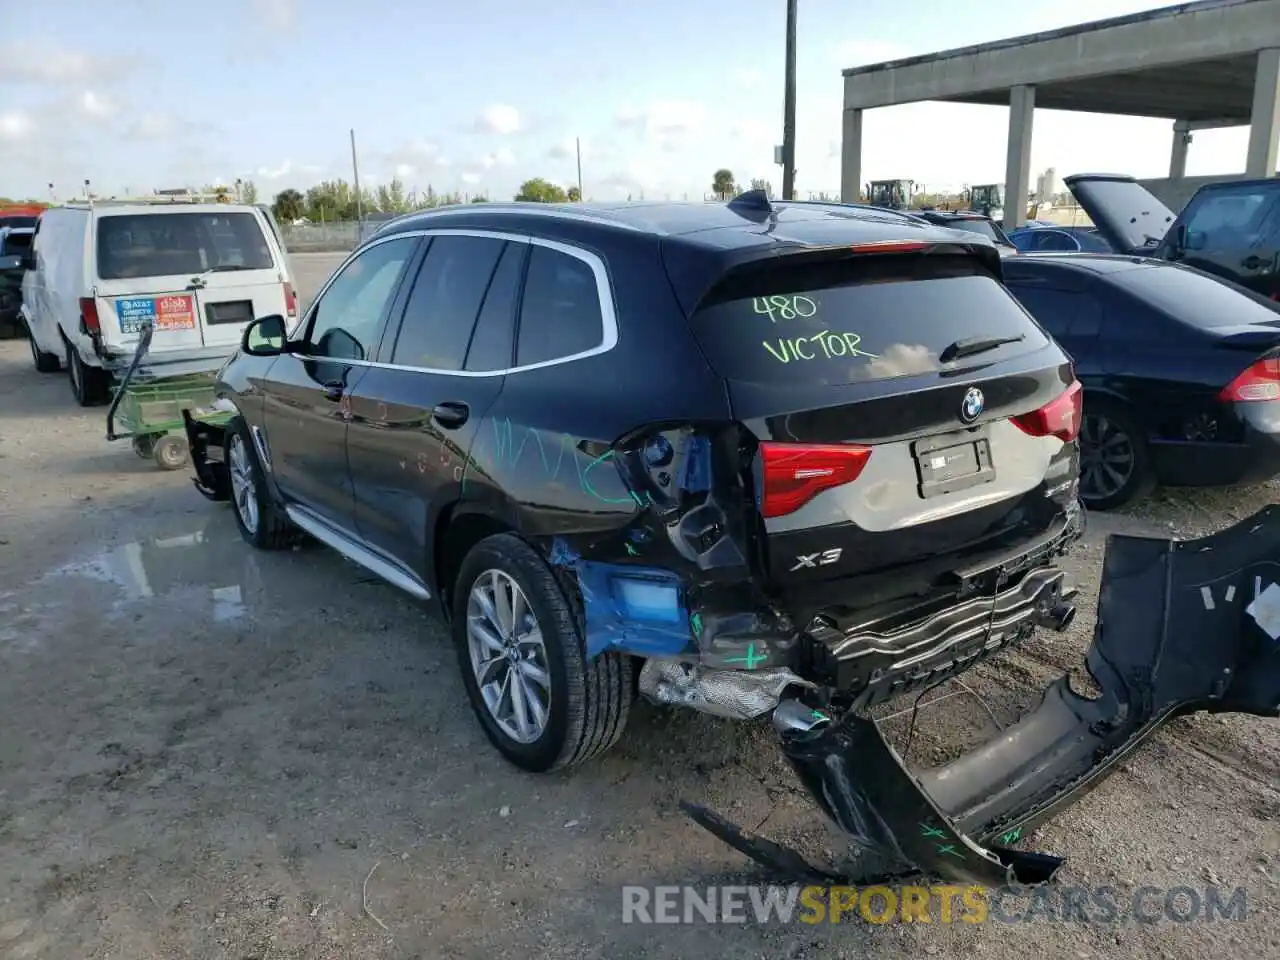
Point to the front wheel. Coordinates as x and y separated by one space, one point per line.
521 651
1115 467
260 519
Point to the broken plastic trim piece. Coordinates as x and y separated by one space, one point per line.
211 479
1182 626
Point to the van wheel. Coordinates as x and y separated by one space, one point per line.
260 519
44 362
88 384
522 654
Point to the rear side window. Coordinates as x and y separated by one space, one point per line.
560 314
1244 218
1199 299
168 244
494 335
875 318
446 298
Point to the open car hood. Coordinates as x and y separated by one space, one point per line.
1128 215
1182 626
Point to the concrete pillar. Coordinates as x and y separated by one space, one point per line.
1017 166
851 156
1264 120
1181 143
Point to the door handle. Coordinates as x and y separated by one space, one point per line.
334 389
450 414
1252 262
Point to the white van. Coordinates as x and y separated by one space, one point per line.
197 272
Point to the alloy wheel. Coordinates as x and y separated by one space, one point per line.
508 656
243 492
1107 458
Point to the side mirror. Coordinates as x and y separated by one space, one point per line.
264 337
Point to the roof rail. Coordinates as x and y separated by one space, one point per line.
160 200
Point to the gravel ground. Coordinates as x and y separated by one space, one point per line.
206 751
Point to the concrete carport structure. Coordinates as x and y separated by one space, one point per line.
1212 63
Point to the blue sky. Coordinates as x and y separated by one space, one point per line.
478 95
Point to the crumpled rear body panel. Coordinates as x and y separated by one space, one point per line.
1182 626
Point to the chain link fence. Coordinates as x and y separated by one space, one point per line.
333 237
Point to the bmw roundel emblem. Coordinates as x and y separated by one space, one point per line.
972 405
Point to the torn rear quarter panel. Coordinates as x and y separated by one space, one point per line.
675 581
1182 626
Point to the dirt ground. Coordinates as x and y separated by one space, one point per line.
206 750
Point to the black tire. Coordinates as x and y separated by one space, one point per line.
144 445
1111 426
44 362
589 701
273 529
89 385
170 452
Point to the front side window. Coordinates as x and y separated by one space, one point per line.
172 244
560 314
348 318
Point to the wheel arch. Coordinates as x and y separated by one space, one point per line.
459 527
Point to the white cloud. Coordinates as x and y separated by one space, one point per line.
749 79
471 178
757 131
861 53
15 125
499 118
664 118
96 105
277 14
31 62
404 170
502 157
562 150
276 173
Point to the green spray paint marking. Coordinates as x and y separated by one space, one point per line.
818 715
631 551
505 452
951 849
1013 836
929 832
751 660
695 621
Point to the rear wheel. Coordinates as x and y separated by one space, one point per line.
1115 467
89 385
522 655
261 520
44 362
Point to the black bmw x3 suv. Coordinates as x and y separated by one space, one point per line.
722 454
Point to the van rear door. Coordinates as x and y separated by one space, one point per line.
199 275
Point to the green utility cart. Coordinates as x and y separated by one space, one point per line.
149 400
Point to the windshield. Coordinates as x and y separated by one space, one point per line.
1197 298
857 321
169 244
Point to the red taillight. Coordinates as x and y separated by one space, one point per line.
89 315
290 300
1260 382
795 473
1060 417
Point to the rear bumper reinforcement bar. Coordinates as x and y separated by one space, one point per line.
1182 626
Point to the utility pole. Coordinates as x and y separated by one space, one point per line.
355 172
577 145
789 109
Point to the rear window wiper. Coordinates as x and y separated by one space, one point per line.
975 345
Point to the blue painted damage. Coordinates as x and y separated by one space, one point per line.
695 474
631 609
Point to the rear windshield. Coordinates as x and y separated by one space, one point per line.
875 318
27 222
1197 298
167 244
15 243
984 227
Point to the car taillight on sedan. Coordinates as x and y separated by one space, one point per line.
1261 381
795 473
1060 417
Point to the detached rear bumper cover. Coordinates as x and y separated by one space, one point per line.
1182 626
